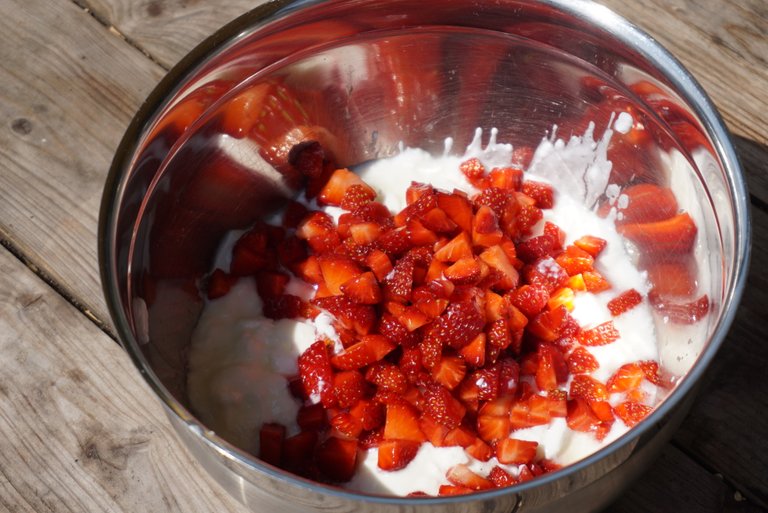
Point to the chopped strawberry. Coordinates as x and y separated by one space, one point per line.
271 440
347 425
334 190
378 262
529 299
473 169
542 193
493 428
298 450
628 377
450 490
575 260
399 283
552 369
316 373
501 478
438 221
356 196
548 324
402 423
497 259
594 282
319 231
588 388
337 270
350 315
512 451
441 406
396 454
600 335
449 371
631 412
457 208
387 376
506 178
480 450
592 245
370 348
485 228
535 248
581 361
312 417
460 475
459 247
625 301
349 387
580 416
336 459
677 312
474 352
460 436
363 289
465 271
219 284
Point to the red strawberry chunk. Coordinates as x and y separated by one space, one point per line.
350 315
506 178
535 248
337 270
592 245
600 335
460 323
442 407
336 459
316 373
675 235
511 451
219 284
492 428
298 450
387 376
457 208
542 193
398 285
459 247
474 352
465 271
629 377
396 454
460 475
501 478
529 299
480 450
450 490
552 369
319 231
473 169
581 361
356 196
449 371
588 388
340 181
402 423
347 425
369 349
625 301
362 289
350 387
580 416
378 262
271 440
631 412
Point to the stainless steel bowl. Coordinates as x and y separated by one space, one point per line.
369 74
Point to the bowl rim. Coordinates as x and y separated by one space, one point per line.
586 11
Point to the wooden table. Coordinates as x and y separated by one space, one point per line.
79 429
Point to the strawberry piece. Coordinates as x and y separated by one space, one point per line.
336 459
457 208
631 412
546 273
628 377
548 324
271 441
364 233
419 234
672 278
371 348
580 416
219 284
357 196
562 297
338 183
465 271
378 262
459 247
501 478
402 423
509 375
316 373
496 199
451 490
398 285
449 371
592 245
433 430
347 425
362 289
512 451
387 376
438 221
588 388
600 335
371 439
395 242
506 178
581 361
681 313
521 416
319 231
624 302
486 381
474 352
312 417
473 169
337 270
460 323
552 369
350 315
485 228
575 260
652 372
298 450
396 454
525 474
350 387
529 299
535 248
594 282
647 203
460 475
542 193
442 407
528 216
672 236
493 428
497 259
480 450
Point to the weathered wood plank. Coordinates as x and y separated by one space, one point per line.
68 91
727 426
79 429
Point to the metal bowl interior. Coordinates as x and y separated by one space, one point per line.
364 77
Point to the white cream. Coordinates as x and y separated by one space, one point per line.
239 359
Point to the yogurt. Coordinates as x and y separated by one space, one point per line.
239 360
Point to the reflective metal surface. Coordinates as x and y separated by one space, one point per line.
362 76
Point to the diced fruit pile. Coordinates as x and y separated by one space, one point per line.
454 320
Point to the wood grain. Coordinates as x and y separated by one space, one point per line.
69 88
79 429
